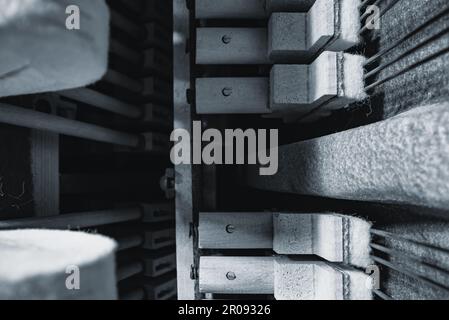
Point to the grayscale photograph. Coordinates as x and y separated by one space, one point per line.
233 157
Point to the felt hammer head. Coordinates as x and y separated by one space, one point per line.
40 53
50 264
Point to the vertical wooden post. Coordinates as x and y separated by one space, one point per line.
45 172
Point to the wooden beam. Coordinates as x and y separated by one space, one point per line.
247 9
287 278
23 117
45 172
185 250
291 37
294 91
232 95
232 46
236 275
333 237
104 102
236 230
230 9
75 220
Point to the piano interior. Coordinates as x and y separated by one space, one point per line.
224 149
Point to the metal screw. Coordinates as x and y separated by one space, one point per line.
231 275
226 39
230 228
226 92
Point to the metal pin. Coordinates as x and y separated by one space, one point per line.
230 228
226 39
230 275
226 92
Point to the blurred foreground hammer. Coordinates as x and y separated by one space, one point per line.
56 265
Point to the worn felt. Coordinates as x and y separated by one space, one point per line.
428 79
403 160
426 82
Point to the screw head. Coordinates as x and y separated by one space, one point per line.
226 92
230 228
231 275
226 39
